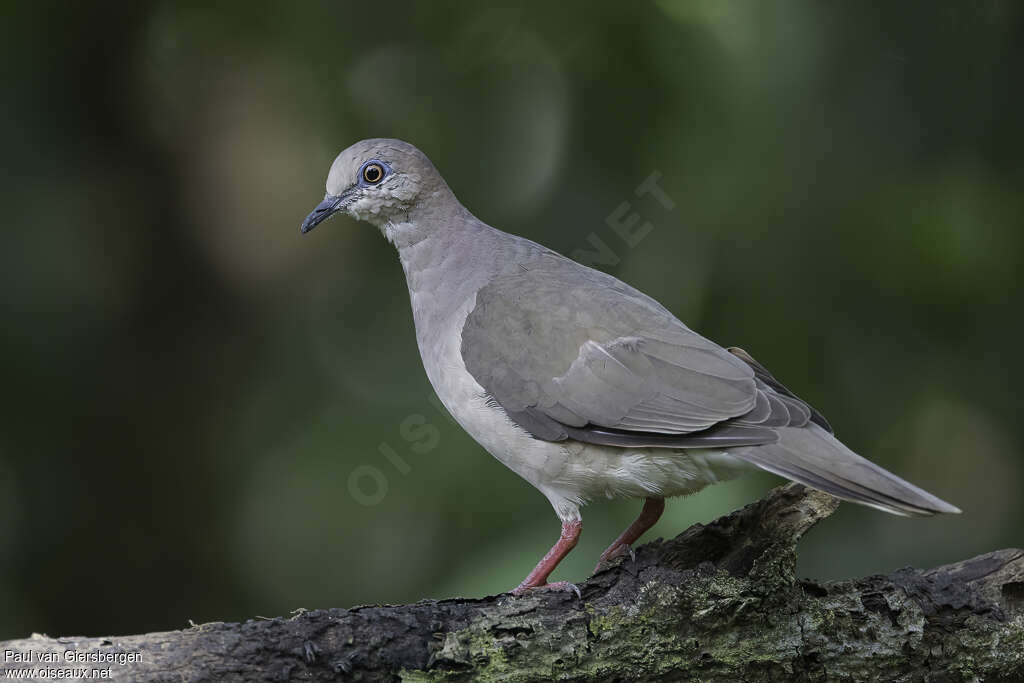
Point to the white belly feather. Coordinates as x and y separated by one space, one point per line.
569 473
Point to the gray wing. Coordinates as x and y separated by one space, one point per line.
762 374
570 352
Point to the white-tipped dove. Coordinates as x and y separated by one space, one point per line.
577 382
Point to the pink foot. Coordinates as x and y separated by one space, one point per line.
608 557
538 578
651 512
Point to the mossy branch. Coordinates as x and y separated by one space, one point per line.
718 602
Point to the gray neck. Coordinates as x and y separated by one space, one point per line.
447 255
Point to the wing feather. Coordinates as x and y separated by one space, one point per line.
572 353
611 360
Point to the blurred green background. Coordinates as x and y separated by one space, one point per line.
191 390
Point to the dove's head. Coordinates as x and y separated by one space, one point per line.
379 181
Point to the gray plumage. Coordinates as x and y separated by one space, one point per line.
577 381
573 353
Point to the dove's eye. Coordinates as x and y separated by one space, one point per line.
373 173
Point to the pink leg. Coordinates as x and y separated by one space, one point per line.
651 512
539 576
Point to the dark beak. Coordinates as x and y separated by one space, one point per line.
324 210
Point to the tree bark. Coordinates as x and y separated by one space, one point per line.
717 603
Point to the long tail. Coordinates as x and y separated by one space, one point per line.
812 456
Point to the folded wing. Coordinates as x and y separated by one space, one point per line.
572 353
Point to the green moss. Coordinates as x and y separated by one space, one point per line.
720 627
610 621
653 639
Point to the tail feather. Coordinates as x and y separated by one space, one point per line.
812 456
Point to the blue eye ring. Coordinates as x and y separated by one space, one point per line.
373 172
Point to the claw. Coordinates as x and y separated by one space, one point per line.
563 586
556 586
